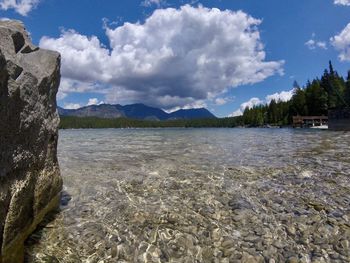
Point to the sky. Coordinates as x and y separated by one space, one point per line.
224 55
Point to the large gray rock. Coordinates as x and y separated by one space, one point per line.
30 180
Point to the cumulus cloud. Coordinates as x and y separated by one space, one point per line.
75 86
248 104
191 105
236 113
22 7
341 43
94 101
84 59
72 106
251 103
176 58
282 96
342 2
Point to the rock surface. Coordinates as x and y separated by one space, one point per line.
30 180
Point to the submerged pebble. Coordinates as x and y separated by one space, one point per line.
238 198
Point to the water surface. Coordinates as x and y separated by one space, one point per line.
200 195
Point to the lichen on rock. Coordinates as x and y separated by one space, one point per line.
30 180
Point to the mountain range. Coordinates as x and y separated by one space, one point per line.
135 111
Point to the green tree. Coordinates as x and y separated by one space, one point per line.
316 98
334 85
273 112
347 91
299 106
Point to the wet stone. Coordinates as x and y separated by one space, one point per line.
167 196
251 239
292 260
238 204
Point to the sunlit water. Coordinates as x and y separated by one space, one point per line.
200 195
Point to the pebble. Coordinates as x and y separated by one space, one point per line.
240 216
291 230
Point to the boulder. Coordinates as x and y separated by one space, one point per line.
30 180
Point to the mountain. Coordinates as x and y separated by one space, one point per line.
134 111
106 111
142 112
200 113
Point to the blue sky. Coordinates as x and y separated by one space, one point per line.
175 54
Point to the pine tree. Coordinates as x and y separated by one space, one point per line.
296 85
347 91
316 99
334 86
272 112
331 70
299 106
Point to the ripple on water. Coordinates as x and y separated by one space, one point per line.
205 195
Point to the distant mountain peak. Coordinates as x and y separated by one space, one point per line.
138 111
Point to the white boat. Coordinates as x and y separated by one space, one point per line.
321 127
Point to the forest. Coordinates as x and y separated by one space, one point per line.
330 91
92 122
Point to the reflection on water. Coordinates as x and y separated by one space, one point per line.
200 195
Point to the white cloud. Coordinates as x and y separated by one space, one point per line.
313 44
282 96
341 43
251 103
342 2
84 59
61 95
176 58
158 3
236 113
191 105
72 106
94 101
220 101
22 7
223 100
322 44
248 104
310 44
74 86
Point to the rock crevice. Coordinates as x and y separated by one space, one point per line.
30 180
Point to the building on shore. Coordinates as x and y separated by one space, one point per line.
309 121
339 120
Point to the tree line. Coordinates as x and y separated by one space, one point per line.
331 91
71 122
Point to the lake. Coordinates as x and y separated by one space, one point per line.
200 195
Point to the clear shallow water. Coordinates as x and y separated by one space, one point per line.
200 195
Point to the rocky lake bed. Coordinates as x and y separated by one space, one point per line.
200 195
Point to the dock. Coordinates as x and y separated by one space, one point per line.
310 121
